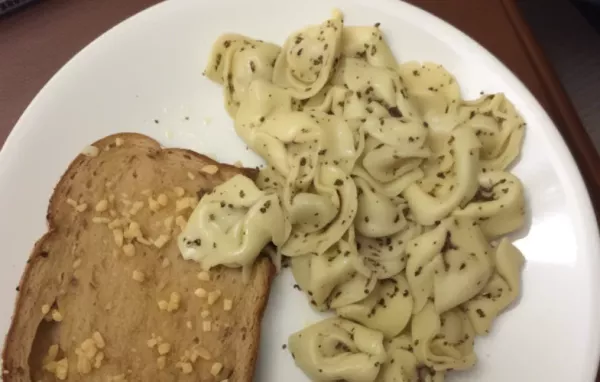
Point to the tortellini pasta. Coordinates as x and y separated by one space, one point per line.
337 349
231 225
382 186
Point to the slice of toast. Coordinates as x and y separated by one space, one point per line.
122 316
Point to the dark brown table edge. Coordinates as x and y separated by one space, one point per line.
561 110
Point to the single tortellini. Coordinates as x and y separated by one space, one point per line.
333 181
308 58
502 289
498 126
450 264
387 309
375 92
434 91
402 364
428 209
336 349
443 342
319 275
232 224
498 205
367 43
386 256
377 215
236 61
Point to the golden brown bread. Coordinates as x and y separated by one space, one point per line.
80 281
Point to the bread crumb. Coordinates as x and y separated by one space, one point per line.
163 305
52 353
181 222
133 231
205 313
186 367
56 315
202 353
162 199
84 366
161 362
210 169
45 309
161 241
76 263
182 204
100 220
98 340
98 360
188 324
153 204
90 151
119 141
117 223
166 263
168 222
136 207
179 191
143 240
102 205
203 276
206 326
138 276
191 176
200 292
227 304
62 369
216 368
129 250
213 296
88 348
82 207
238 164
174 301
118 236
151 342
164 348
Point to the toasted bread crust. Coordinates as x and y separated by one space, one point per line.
82 293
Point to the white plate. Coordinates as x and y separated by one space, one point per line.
149 68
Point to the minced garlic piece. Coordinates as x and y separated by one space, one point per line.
210 169
174 302
200 292
138 276
213 296
164 348
179 191
161 241
216 368
102 205
162 199
118 236
90 151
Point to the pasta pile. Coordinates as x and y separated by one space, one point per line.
385 189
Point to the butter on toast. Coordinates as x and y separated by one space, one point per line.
106 295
